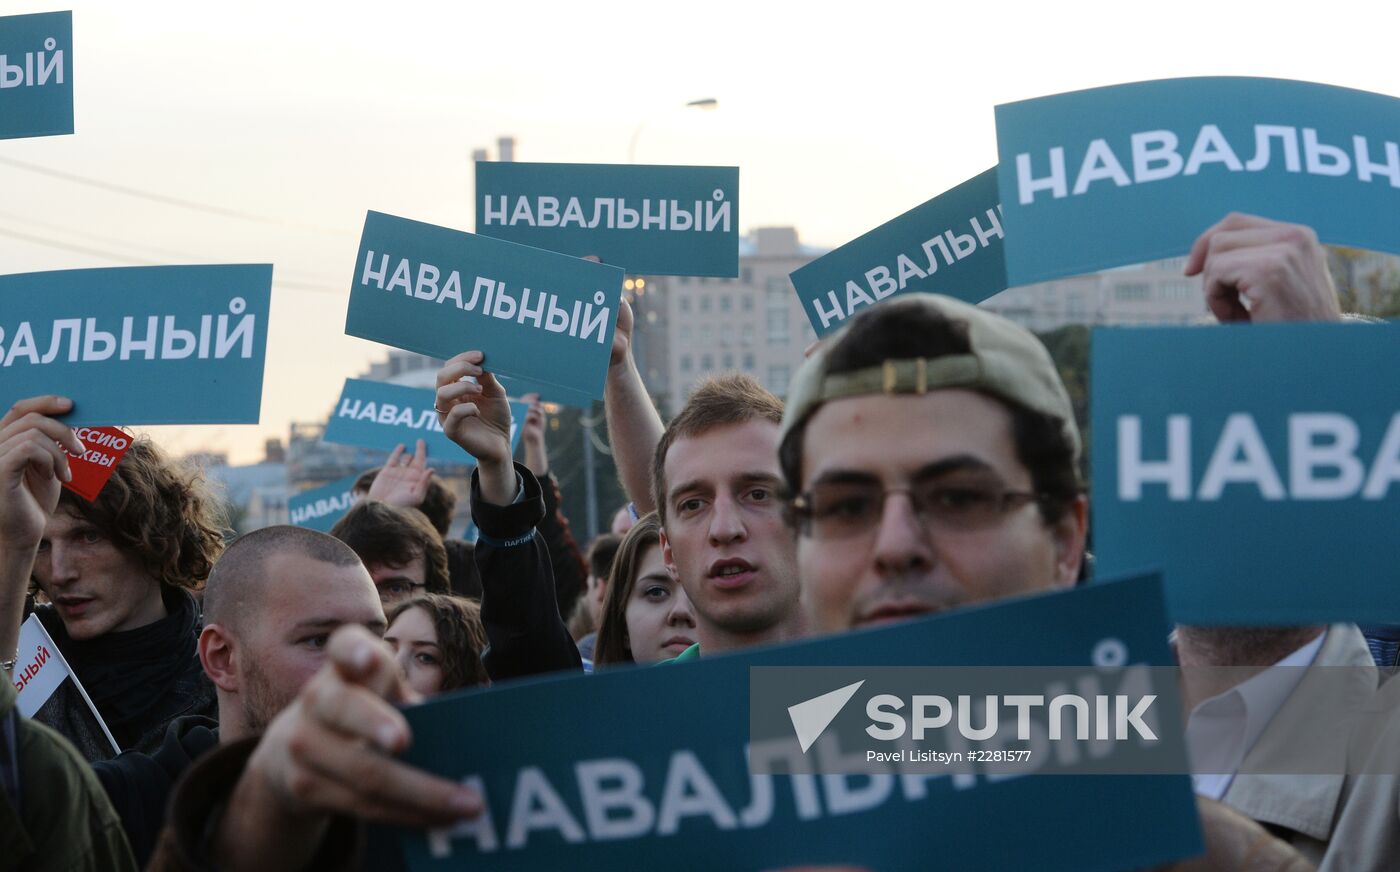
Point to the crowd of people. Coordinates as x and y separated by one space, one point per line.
926 458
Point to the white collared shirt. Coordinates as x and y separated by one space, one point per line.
1221 730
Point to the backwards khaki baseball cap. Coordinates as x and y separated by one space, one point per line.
1006 361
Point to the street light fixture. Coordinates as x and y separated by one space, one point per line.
634 288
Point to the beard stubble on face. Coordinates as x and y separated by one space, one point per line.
261 701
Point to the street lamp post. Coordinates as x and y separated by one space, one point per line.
637 287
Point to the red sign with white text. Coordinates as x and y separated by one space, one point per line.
105 448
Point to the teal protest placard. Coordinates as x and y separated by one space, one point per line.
1131 173
950 245
549 393
537 314
320 507
670 783
138 345
649 220
384 416
36 75
1258 466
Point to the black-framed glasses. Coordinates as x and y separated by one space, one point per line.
844 509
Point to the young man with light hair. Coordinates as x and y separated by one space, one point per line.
712 476
718 492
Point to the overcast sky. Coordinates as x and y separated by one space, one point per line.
302 116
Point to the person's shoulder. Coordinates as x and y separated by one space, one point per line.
458 546
67 804
185 739
132 774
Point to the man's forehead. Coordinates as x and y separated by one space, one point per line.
389 566
63 518
879 433
725 453
330 620
291 562
325 614
299 586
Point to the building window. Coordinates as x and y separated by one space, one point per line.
726 334
685 363
726 303
777 319
1179 290
707 362
778 380
746 275
705 304
706 333
685 332
748 362
728 360
685 304
746 333
1132 292
746 302
775 284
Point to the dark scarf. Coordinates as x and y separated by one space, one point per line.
127 674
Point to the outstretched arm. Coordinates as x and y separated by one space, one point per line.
634 427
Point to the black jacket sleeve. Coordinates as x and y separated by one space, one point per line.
570 570
524 632
197 805
139 785
461 569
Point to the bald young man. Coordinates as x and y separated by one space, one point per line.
270 604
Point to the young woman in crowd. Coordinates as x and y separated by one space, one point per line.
438 640
646 615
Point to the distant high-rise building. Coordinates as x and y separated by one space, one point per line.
691 327
405 368
1150 293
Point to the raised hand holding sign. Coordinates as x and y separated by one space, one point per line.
1255 269
476 416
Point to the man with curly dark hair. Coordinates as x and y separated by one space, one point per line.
118 574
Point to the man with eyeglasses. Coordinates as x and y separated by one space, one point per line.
401 549
933 457
933 454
